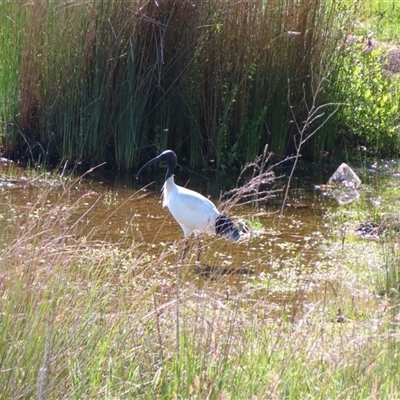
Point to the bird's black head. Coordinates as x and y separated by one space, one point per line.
167 156
226 228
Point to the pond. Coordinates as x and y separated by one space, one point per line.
280 248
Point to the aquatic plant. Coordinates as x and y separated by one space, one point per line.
100 80
11 38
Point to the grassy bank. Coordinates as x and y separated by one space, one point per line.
85 318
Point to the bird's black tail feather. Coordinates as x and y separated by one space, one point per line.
226 228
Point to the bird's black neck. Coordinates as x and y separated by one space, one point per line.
170 170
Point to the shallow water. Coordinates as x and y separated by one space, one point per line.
120 206
124 210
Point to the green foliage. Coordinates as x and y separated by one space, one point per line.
382 17
371 110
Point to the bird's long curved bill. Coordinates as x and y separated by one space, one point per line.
151 162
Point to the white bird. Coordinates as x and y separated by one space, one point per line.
193 212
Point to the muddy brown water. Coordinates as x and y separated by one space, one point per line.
122 206
124 210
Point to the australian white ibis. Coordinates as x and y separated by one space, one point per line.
193 212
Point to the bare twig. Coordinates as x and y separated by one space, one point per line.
305 129
258 187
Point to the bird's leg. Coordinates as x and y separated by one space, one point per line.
198 248
185 250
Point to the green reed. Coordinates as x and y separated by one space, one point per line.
214 80
11 20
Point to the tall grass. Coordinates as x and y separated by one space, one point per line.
103 80
83 318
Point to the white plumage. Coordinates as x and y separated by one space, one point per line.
193 212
